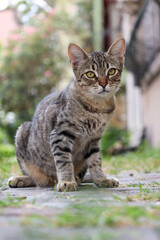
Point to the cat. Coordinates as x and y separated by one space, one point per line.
62 140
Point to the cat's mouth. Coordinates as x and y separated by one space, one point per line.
104 91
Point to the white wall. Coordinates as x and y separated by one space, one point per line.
151 104
134 110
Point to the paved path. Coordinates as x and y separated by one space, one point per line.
20 222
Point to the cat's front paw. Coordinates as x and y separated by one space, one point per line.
15 182
109 183
66 185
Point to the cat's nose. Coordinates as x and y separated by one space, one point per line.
103 82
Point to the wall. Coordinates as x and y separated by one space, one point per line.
151 106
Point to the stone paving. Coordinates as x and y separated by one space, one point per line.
49 203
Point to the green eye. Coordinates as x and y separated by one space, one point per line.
90 74
111 71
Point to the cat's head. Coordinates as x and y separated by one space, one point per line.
98 73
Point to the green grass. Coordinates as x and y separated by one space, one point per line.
79 216
6 151
116 215
111 216
86 216
146 194
146 160
8 163
151 184
12 201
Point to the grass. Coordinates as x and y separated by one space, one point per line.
79 216
8 163
150 184
12 201
146 194
145 160
111 216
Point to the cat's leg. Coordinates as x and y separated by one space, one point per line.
35 177
62 142
93 159
21 181
80 175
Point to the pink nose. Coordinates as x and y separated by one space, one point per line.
103 82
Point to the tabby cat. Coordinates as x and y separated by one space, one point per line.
62 140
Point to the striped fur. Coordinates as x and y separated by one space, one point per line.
62 140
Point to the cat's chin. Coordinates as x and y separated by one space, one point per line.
100 96
104 95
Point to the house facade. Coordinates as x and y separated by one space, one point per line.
141 28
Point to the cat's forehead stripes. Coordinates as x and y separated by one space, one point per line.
94 66
99 60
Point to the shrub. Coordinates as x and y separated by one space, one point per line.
113 137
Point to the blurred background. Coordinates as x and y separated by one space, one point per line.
34 37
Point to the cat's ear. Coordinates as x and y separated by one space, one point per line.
76 54
117 49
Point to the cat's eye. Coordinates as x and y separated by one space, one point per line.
90 74
111 71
